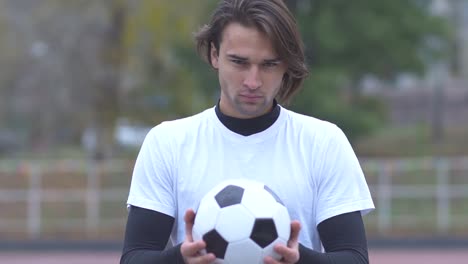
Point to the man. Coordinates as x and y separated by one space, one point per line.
255 47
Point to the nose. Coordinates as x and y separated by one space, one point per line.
252 79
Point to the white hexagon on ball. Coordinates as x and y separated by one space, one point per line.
258 202
244 252
232 221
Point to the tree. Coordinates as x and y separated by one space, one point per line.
68 64
87 63
346 40
107 96
163 65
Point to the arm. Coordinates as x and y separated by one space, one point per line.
146 236
343 196
148 230
344 240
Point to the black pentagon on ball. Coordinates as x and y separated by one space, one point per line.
215 244
230 195
273 194
264 232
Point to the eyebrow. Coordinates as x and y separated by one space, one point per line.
236 57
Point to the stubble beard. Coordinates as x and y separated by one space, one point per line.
252 110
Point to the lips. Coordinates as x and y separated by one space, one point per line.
250 96
250 99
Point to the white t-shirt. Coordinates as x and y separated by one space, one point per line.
308 162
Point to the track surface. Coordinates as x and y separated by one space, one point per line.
380 256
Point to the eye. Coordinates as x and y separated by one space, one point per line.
239 62
270 64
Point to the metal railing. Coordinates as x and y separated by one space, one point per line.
38 188
433 190
84 200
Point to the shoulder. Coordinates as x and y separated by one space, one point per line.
312 126
179 128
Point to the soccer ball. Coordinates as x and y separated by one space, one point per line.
241 221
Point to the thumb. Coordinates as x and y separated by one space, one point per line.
189 219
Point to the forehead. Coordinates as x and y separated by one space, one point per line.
246 42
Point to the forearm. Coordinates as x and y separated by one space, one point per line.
344 240
348 256
146 236
147 256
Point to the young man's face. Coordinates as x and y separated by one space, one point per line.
250 73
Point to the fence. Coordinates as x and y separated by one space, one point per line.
80 200
63 199
419 197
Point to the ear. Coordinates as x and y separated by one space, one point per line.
214 56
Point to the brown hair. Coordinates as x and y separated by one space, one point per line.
273 18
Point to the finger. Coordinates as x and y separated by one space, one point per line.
203 259
294 239
192 249
270 260
288 254
189 219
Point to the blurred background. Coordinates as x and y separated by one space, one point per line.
83 81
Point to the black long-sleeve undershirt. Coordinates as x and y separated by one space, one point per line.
147 234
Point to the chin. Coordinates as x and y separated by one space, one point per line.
252 113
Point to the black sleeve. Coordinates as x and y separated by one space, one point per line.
344 240
146 235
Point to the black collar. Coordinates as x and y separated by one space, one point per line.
247 127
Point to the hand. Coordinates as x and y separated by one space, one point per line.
289 253
191 250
